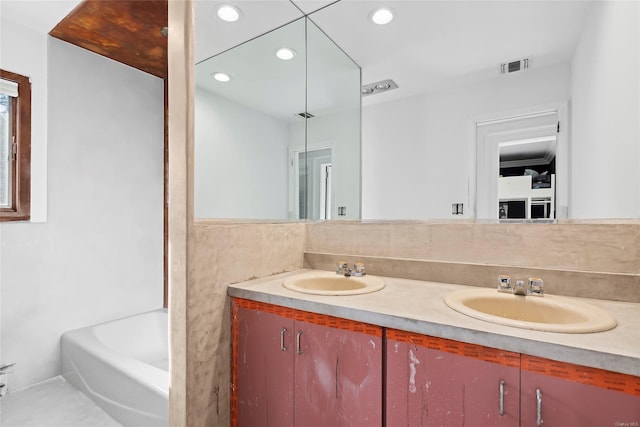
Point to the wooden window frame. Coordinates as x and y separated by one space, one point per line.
20 209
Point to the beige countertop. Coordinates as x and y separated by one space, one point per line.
418 306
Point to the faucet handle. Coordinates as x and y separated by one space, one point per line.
536 286
358 269
504 283
343 267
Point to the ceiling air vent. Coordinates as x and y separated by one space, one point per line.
515 66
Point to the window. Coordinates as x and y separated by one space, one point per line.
15 147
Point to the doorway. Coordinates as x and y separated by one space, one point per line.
312 188
521 165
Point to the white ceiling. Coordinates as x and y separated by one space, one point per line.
274 86
432 45
214 36
537 152
39 15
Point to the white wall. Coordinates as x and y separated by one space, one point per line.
240 161
341 132
29 58
606 114
99 255
417 152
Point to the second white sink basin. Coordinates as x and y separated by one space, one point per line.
328 283
549 313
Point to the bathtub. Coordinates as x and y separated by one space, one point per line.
122 365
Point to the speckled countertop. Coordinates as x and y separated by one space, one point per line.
418 306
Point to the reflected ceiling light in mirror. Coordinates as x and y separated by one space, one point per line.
221 77
381 16
229 13
285 53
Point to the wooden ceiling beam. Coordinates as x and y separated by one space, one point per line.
127 31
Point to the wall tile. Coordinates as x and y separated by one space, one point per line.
593 247
220 254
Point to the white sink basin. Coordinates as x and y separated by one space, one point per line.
549 313
328 283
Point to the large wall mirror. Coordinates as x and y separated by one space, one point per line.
277 127
510 109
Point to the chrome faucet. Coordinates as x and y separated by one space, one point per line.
343 268
535 286
504 284
357 271
519 289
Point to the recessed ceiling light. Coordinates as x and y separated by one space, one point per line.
285 53
221 77
381 16
229 13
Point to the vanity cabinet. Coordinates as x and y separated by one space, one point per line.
438 382
435 382
264 372
330 367
563 394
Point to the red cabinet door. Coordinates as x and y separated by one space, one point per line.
560 394
427 386
338 377
265 358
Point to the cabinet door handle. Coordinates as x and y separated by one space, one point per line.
298 342
501 398
539 420
283 332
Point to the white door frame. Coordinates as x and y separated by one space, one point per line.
325 191
294 167
562 153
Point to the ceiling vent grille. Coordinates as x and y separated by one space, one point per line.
515 66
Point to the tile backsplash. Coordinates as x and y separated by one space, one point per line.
593 260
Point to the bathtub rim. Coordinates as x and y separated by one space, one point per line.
140 371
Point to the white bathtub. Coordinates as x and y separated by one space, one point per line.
122 366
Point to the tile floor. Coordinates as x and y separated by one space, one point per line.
53 403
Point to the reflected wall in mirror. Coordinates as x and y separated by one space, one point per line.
279 138
420 153
333 98
419 142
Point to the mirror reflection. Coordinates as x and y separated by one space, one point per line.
277 129
525 192
462 65
522 153
442 144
